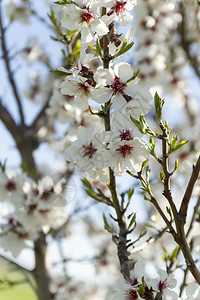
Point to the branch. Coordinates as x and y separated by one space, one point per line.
40 120
8 121
149 241
186 44
188 193
15 264
8 68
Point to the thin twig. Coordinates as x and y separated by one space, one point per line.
188 193
8 68
186 44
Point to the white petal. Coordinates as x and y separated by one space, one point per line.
103 76
99 26
123 71
118 102
102 95
86 35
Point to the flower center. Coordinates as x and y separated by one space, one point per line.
119 7
125 150
89 150
117 85
83 88
11 186
133 281
125 135
86 18
162 285
46 194
132 295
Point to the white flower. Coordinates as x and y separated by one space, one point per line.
79 89
115 85
128 289
18 12
119 11
13 242
128 152
88 151
164 284
86 19
193 291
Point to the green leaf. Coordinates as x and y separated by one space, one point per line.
98 48
132 221
60 73
144 163
130 193
70 33
176 165
93 48
158 103
174 140
52 17
178 146
106 225
76 50
106 108
169 211
162 176
142 125
63 2
124 48
134 76
86 183
174 253
3 166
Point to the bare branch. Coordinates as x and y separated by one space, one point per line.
15 264
186 44
40 118
8 121
188 193
8 68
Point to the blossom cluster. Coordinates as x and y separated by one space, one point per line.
137 286
119 146
159 57
34 207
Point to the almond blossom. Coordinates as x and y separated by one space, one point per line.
85 17
119 11
80 89
88 151
164 284
116 85
127 289
128 152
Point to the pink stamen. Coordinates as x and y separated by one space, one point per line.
162 285
84 88
117 85
89 150
11 186
125 150
119 7
125 135
132 295
86 18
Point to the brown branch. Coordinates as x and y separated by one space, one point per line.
8 68
165 164
8 121
186 44
188 193
41 272
15 264
40 118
